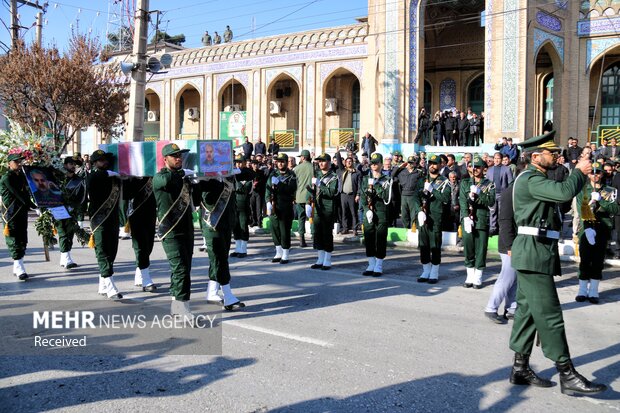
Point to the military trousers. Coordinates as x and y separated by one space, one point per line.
17 240
375 237
538 309
301 218
475 246
323 232
218 247
66 231
430 240
407 210
106 245
142 224
179 251
281 230
593 256
241 229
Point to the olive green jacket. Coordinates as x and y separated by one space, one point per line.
536 197
481 205
325 195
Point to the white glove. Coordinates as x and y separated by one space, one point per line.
421 218
590 235
371 181
236 171
112 173
428 187
189 172
316 181
468 224
595 196
269 208
275 180
474 189
38 211
369 216
308 210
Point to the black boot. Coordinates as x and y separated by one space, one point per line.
302 241
573 383
522 374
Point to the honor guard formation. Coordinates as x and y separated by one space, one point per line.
521 194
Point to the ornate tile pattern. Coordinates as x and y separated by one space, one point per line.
194 81
354 66
548 21
608 25
413 65
332 53
256 105
166 109
540 37
156 87
596 47
208 115
392 78
447 94
292 71
310 105
510 82
241 77
488 111
562 4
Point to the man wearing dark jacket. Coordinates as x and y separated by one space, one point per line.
450 129
274 148
462 125
573 152
260 148
348 186
248 148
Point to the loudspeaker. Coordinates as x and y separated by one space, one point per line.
287 91
279 93
127 67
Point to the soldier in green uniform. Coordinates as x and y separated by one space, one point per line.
104 192
535 257
280 197
14 206
432 192
74 199
375 197
304 172
141 216
220 216
321 207
241 230
598 207
476 195
173 195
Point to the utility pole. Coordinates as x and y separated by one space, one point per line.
15 21
39 28
138 75
14 25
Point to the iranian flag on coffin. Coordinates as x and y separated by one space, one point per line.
145 159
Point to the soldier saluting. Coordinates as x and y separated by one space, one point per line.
280 196
432 193
321 207
104 192
476 195
14 206
535 258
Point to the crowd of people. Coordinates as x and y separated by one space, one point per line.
511 193
450 128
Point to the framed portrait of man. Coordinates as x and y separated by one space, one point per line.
215 156
45 190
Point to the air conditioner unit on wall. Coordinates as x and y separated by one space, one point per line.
152 116
275 107
232 108
331 105
193 113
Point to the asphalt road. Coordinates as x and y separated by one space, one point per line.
314 341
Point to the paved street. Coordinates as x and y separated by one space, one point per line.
312 340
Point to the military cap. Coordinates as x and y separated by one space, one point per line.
15 157
412 159
540 143
281 157
100 154
254 162
597 168
172 149
434 159
305 153
478 161
397 153
376 158
69 159
323 157
239 158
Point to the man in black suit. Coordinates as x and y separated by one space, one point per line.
248 148
573 152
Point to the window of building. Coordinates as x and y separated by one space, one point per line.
475 95
355 118
610 96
